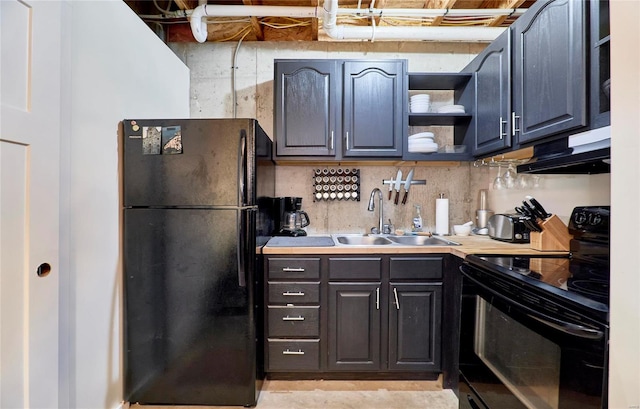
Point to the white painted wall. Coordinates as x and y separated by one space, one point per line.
118 69
624 378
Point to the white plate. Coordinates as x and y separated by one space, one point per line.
422 150
420 110
420 96
451 109
423 144
421 135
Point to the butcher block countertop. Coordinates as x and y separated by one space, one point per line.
468 245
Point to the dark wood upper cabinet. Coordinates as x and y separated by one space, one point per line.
333 109
373 110
306 103
550 69
491 123
600 80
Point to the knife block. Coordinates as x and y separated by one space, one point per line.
553 237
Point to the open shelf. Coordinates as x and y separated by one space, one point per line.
435 119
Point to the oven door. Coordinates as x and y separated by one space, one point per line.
512 356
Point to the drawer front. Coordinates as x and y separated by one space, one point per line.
294 321
293 355
355 268
415 268
294 268
294 293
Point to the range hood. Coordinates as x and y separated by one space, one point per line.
586 153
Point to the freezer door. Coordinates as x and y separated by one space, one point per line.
190 335
189 163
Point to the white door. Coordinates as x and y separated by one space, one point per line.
30 123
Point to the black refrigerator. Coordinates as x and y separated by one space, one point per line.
196 207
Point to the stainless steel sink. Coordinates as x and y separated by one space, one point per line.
423 241
363 240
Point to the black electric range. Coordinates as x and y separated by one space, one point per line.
538 320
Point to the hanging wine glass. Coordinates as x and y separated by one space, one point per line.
510 177
498 182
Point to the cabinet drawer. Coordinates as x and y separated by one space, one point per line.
293 355
415 268
294 293
294 268
294 321
355 268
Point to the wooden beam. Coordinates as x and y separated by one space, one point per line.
439 4
314 22
509 4
380 4
255 23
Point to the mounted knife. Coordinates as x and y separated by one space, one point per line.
407 185
397 186
391 183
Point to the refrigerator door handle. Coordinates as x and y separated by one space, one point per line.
242 168
242 273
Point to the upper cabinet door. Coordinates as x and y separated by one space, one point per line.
374 114
550 78
305 107
493 97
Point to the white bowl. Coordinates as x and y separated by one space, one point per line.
461 229
419 97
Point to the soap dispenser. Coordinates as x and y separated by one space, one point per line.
417 221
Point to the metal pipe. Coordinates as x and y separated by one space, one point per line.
331 11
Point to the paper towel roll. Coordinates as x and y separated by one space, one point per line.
442 216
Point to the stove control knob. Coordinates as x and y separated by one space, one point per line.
580 218
596 219
518 236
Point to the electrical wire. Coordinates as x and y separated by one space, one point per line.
233 76
168 9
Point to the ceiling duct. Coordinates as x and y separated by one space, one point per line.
330 11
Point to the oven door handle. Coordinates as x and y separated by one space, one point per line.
572 329
566 327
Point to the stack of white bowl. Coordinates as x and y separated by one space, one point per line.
451 109
420 103
422 142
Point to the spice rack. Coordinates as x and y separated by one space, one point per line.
336 184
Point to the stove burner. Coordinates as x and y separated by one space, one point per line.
592 288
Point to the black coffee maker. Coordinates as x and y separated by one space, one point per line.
289 216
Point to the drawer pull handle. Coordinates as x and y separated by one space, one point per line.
287 352
288 318
291 293
293 269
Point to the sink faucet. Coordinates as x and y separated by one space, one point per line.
372 206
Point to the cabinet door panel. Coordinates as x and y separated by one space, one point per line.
493 97
550 69
305 107
415 327
354 326
373 108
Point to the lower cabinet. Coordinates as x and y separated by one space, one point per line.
415 326
377 314
354 326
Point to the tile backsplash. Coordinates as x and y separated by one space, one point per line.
339 216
